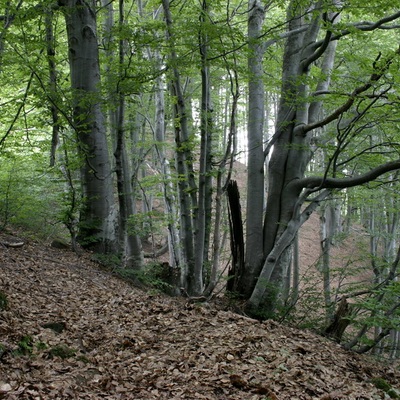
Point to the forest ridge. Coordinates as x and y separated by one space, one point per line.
71 330
122 124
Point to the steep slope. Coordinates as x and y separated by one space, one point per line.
71 330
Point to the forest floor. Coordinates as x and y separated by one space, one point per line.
71 330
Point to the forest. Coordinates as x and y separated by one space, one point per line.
186 145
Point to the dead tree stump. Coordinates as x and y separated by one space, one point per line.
340 321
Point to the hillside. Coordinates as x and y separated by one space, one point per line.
71 330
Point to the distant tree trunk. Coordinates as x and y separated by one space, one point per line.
167 186
52 85
97 220
131 245
186 184
395 343
380 295
161 159
329 227
383 226
296 271
203 214
217 239
229 143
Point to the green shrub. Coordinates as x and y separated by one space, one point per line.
3 301
25 346
382 384
62 351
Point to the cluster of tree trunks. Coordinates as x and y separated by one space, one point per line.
314 112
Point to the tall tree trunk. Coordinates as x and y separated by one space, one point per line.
287 161
255 159
170 202
131 244
203 220
291 150
186 186
97 220
229 143
174 245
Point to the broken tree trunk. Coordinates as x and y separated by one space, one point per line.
237 242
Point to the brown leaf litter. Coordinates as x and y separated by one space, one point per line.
72 331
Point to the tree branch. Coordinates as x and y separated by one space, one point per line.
364 26
316 182
378 72
19 110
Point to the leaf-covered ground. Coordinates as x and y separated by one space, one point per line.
73 331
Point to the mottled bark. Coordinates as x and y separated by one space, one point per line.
97 220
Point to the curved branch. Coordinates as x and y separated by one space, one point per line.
317 182
320 50
364 26
284 241
378 72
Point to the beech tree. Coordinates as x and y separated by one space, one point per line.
97 220
313 33
195 186
200 90
255 129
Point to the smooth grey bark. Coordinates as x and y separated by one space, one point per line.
255 158
291 152
282 244
328 228
224 175
175 251
395 344
295 271
309 184
186 186
217 240
203 214
131 246
97 220
162 163
296 124
71 210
